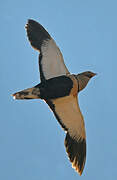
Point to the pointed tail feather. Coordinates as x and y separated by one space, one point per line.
30 93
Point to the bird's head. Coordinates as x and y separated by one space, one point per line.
83 79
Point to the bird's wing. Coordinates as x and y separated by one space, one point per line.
51 63
68 114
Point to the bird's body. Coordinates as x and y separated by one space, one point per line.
59 89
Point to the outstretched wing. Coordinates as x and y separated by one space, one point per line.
51 63
68 114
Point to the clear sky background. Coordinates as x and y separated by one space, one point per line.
31 140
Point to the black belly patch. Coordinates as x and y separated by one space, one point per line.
55 87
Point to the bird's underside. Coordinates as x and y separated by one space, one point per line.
59 90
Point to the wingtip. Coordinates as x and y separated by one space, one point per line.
78 169
76 151
28 22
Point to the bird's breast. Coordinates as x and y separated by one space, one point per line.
74 89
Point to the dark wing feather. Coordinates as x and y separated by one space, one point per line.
76 150
51 63
68 114
36 34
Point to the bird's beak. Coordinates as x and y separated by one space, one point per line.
94 74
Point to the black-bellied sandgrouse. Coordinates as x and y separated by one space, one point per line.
59 89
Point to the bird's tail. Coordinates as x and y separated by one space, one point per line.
30 93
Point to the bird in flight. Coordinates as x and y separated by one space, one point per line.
59 89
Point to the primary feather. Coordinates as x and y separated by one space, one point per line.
51 63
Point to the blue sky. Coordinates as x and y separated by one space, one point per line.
31 140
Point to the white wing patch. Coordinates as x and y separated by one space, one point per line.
52 60
69 112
